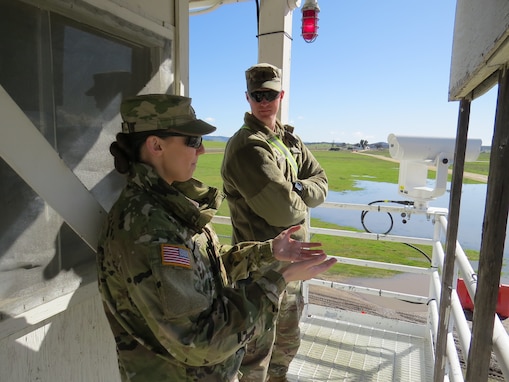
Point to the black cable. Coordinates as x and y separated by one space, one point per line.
258 25
419 250
364 213
403 202
257 18
285 33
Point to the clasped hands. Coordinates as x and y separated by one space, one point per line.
305 261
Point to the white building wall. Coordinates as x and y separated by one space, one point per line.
76 344
53 328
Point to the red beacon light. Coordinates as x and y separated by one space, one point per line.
310 20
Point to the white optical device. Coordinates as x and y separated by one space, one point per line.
416 154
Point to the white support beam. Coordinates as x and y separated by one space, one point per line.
30 155
275 44
198 7
182 47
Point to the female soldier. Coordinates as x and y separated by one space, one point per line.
163 275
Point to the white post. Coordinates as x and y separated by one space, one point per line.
275 42
181 50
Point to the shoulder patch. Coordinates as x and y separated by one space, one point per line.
177 256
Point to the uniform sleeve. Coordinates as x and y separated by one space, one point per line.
183 315
246 257
313 179
254 173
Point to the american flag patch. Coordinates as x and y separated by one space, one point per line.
175 255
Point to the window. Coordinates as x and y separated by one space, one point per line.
69 80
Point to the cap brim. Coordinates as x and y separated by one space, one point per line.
272 85
196 127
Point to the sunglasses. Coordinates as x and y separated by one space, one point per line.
269 95
194 141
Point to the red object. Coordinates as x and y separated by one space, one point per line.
502 301
310 24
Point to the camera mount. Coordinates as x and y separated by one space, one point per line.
416 155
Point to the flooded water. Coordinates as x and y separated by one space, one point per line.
470 221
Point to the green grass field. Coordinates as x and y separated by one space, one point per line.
343 169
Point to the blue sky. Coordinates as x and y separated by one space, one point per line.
377 67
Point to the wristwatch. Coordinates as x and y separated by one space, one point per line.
298 187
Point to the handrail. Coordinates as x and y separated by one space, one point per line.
464 269
372 291
500 336
382 265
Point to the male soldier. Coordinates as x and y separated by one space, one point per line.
270 179
164 278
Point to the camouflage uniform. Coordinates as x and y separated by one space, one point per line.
165 282
258 183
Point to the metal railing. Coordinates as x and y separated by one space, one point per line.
458 323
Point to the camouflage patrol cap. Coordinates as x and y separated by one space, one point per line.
264 76
171 113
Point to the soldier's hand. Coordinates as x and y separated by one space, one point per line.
287 249
307 269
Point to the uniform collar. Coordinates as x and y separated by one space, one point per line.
255 124
192 202
285 132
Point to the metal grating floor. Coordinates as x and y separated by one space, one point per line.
361 349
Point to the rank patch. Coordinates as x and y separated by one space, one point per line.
175 255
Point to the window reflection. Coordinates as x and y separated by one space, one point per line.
69 80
